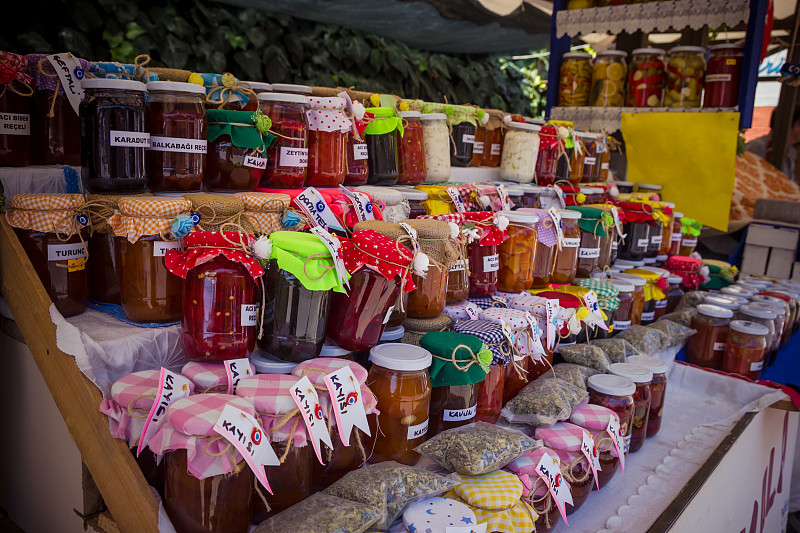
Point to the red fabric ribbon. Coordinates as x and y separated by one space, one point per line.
203 246
383 254
548 138
362 124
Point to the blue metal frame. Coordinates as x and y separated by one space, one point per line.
558 47
752 58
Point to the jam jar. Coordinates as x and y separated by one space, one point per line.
462 140
566 265
595 419
484 258
544 256
55 123
766 317
411 150
383 135
707 347
608 79
220 295
539 497
667 230
103 247
457 279
236 152
780 323
650 290
622 317
592 235
400 381
327 141
745 349
287 156
492 142
691 230
490 394
646 78
684 83
478 146
430 296
591 157
15 111
436 138
638 295
520 150
641 377
357 161
637 228
723 74
113 136
48 227
615 393
658 389
575 79
551 147
176 122
518 367
566 440
677 233
517 253
416 200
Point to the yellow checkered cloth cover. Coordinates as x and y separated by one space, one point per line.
495 499
45 212
264 210
147 215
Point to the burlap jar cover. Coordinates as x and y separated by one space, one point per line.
434 240
220 212
458 239
141 216
264 210
415 328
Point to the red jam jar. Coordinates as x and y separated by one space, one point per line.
483 254
615 393
327 141
176 121
478 146
550 148
658 389
706 348
745 349
15 111
641 378
723 74
357 162
236 152
411 150
287 156
595 419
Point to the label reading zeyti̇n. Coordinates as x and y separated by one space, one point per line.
249 314
719 346
649 316
360 152
642 243
62 252
468 139
589 253
572 242
255 161
129 139
495 149
477 147
174 144
417 431
15 124
160 247
455 415
293 157
491 263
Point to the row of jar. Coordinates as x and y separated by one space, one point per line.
679 78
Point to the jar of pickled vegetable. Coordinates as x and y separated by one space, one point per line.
436 140
383 135
591 160
638 220
566 440
646 78
400 381
357 161
327 141
430 296
15 111
723 75
622 317
707 347
236 151
642 398
176 122
566 265
575 79
411 150
608 79
615 393
55 123
592 231
287 156
484 256
595 419
517 253
478 146
745 349
520 149
658 389
685 71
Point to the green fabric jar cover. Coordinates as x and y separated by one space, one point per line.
385 121
247 129
593 220
458 359
305 257
456 114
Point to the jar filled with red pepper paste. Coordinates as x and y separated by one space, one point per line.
646 78
411 150
745 349
327 141
641 378
237 150
287 157
615 393
15 106
484 259
658 389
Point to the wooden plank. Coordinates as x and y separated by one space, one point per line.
111 463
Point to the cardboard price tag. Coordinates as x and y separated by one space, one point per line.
348 405
473 311
505 201
508 333
171 388
361 203
552 306
615 215
549 469
70 74
457 201
562 199
536 334
307 400
314 205
413 233
553 212
589 450
617 439
237 370
594 308
333 246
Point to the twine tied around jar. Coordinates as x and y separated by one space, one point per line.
226 90
561 149
475 359
403 251
72 219
51 113
10 73
532 500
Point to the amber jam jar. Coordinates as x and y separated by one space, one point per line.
430 297
641 378
566 441
517 253
492 146
707 346
615 393
595 419
566 266
400 381
176 121
658 389
15 111
540 498
639 303
287 156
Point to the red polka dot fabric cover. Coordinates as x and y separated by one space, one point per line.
203 246
325 114
486 223
368 248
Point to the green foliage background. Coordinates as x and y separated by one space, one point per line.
254 45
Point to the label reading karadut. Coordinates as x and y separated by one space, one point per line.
245 433
415 432
656 239
237 370
758 365
314 205
15 124
255 161
70 74
661 304
293 157
249 315
589 449
719 346
621 325
360 152
549 469
589 253
572 242
477 147
347 402
617 439
491 263
456 415
589 160
495 149
171 388
129 139
457 201
459 266
62 252
174 144
468 139
649 316
307 400
642 243
160 247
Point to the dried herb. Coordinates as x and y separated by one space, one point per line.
645 339
691 299
322 513
574 374
388 487
683 317
476 448
618 350
544 402
676 333
585 355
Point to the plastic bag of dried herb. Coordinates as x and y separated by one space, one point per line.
574 374
618 350
691 299
676 333
683 317
322 513
476 448
586 355
544 402
645 339
389 487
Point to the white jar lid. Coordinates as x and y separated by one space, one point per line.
738 289
658 51
611 384
653 364
291 88
752 282
628 263
756 311
690 49
265 363
175 86
515 191
577 55
749 328
714 311
398 356
649 186
768 299
414 194
726 45
632 279
674 279
635 373
520 216
677 214
433 116
620 53
333 350
410 114
623 287
524 126
110 83
779 310
283 97
393 334
260 86
723 301
650 261
570 214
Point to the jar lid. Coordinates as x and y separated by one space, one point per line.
628 263
650 260
591 190
414 194
649 186
726 45
611 384
259 86
283 97
664 273
750 282
525 126
291 88
570 214
619 53
714 311
779 310
576 55
749 328
330 349
623 287
768 299
723 301
515 191
393 334
521 217
590 135
653 364
176 86
398 356
755 311
657 51
635 373
265 363
111 83
692 49
433 116
677 214
746 292
636 281
410 114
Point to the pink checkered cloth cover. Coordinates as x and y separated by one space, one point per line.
524 467
317 368
190 426
563 438
594 419
270 395
209 376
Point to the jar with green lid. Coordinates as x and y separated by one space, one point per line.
575 79
685 72
608 79
593 235
237 151
382 136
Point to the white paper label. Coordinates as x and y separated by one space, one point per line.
415 432
618 439
171 388
689 242
294 157
468 139
333 246
549 469
307 400
15 124
661 304
504 199
594 308
562 202
477 147
160 247
361 203
615 245
621 325
536 333
655 239
237 370
756 366
676 237
315 206
129 139
604 166
649 316
711 78
589 253
572 242
348 405
553 212
552 306
174 144
388 315
255 161
455 415
249 315
70 74
62 252
459 266
360 152
589 160
589 450
491 263
495 149
615 215
457 201
642 243
719 346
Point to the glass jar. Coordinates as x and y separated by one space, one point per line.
436 140
490 395
667 230
520 149
723 74
484 263
176 121
15 107
706 348
103 269
291 481
416 202
430 296
576 158
566 265
291 88
658 389
411 151
492 146
637 240
293 328
457 282
594 419
623 316
608 79
462 143
615 393
745 349
399 380
591 241
566 440
478 146
591 161
640 305
654 246
382 138
287 156
575 79
677 234
780 319
688 244
149 292
233 166
327 141
515 196
685 71
641 378
646 78
357 161
550 147
462 398
517 253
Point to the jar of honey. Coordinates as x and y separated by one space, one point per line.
517 253
430 296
